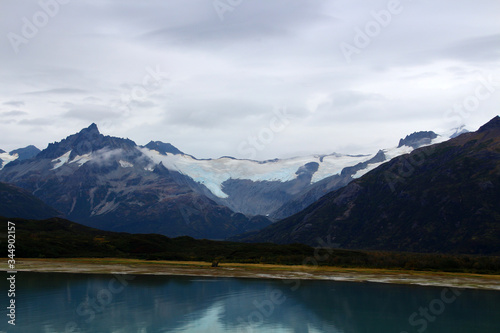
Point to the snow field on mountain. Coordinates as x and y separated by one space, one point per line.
213 173
395 152
7 158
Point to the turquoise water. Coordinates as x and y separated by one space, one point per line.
52 302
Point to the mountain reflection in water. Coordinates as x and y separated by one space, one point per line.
55 302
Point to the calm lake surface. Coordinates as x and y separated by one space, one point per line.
54 302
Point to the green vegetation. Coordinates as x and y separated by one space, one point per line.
59 238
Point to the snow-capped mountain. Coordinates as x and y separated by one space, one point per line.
107 182
439 199
279 187
17 154
114 184
6 158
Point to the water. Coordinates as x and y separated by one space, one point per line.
51 302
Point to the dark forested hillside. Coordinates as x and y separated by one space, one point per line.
16 202
441 198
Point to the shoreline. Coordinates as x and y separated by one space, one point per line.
256 271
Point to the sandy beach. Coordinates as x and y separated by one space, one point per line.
258 271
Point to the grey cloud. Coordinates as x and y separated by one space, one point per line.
348 98
57 91
215 114
142 104
250 20
341 102
13 113
14 103
90 112
37 122
226 76
105 156
485 48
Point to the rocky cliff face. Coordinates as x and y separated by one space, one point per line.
418 139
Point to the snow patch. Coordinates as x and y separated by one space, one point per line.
364 171
104 208
82 159
333 165
64 159
7 158
395 152
125 164
60 161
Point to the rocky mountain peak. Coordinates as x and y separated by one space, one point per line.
493 124
163 148
417 139
92 129
86 141
26 152
459 131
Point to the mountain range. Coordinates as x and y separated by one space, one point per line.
439 198
109 183
275 188
18 154
114 184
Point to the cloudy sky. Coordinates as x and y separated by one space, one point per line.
247 78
